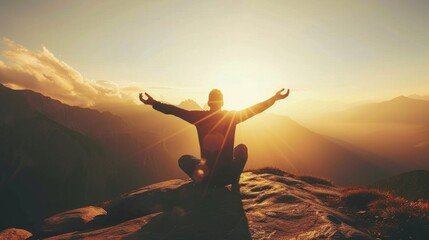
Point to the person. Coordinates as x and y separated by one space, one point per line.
220 164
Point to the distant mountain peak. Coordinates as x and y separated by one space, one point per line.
189 104
419 97
400 109
402 98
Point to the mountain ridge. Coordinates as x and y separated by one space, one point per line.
412 185
397 110
39 150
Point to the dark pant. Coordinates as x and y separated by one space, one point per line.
197 169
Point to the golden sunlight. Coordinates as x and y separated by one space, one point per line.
242 94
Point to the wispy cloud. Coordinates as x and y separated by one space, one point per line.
44 73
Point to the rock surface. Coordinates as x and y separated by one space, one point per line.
270 205
14 234
71 220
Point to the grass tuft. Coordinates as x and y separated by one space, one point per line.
316 180
269 170
387 216
402 218
360 198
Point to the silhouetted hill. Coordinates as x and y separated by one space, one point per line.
420 97
189 104
397 130
46 167
271 204
54 156
412 185
398 110
120 138
290 146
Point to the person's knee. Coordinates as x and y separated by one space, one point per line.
242 147
185 161
241 152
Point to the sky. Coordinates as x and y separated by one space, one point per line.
331 52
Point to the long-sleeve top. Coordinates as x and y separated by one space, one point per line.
216 129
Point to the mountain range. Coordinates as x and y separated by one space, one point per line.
71 156
397 130
398 110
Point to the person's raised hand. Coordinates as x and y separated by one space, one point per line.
279 95
148 101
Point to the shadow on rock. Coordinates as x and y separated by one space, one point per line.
212 214
173 209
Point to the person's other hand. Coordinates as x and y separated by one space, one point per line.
148 101
279 95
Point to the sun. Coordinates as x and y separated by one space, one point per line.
240 95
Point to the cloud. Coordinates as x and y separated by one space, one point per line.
44 73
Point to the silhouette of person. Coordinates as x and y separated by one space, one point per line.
220 164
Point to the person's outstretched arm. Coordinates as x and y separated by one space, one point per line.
262 106
166 108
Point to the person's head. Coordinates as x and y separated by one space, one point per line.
215 99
